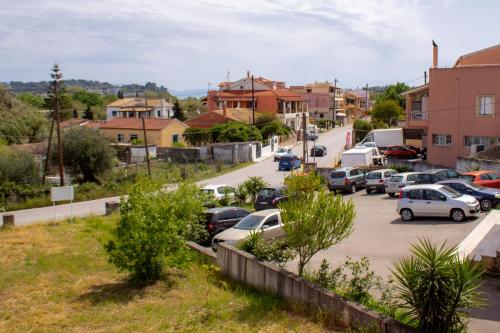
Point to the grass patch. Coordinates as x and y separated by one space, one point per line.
55 278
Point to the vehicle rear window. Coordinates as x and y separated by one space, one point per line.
267 193
374 175
425 178
286 158
250 222
337 174
396 179
467 177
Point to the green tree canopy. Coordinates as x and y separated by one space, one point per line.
86 153
197 136
178 112
238 132
31 99
18 166
274 127
88 98
393 92
388 112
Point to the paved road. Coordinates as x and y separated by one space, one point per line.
334 141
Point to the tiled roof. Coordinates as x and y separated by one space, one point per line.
138 102
472 54
490 154
243 115
207 120
136 123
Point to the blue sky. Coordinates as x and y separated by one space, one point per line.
186 44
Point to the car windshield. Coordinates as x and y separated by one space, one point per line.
250 222
374 175
450 192
396 179
337 174
467 177
475 186
267 192
281 150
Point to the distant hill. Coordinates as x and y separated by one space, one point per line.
197 93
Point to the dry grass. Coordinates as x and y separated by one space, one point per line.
55 278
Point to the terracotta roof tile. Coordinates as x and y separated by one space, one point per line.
490 154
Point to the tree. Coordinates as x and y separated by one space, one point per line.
437 287
238 132
191 106
88 98
86 153
388 111
264 118
178 113
315 221
75 113
310 182
88 114
361 128
274 127
119 95
31 99
253 186
18 166
153 228
393 92
197 136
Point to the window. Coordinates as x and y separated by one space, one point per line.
321 115
416 194
158 114
486 105
411 178
484 176
175 138
272 221
432 195
308 90
354 172
493 176
441 140
133 137
227 215
241 213
120 137
480 140
114 113
387 174
452 174
131 114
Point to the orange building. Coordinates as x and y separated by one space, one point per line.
457 111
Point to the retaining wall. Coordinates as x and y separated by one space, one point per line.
243 267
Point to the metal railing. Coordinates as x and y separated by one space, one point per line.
418 115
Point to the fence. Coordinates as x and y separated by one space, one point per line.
244 268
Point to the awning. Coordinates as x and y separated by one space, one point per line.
340 114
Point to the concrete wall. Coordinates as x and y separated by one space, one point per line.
466 164
244 268
182 155
231 152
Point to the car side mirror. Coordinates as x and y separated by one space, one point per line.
264 227
442 198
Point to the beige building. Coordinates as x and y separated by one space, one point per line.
159 132
140 107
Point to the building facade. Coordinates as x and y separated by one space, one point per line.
320 98
458 110
139 107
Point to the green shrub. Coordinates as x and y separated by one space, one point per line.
329 279
254 185
362 279
401 168
18 166
361 128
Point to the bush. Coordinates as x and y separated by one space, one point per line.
362 280
18 166
437 287
276 252
303 183
153 228
253 186
329 279
275 127
401 168
238 132
361 128
86 153
388 112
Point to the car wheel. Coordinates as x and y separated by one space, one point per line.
392 194
457 215
352 188
486 205
406 214
368 190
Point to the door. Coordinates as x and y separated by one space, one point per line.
434 203
416 202
271 228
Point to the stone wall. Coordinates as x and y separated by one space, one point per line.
244 268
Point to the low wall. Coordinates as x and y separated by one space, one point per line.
468 164
182 155
243 267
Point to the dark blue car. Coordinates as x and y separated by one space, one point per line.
488 197
289 162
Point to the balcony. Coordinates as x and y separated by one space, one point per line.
418 115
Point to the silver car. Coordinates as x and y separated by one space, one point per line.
398 181
436 200
375 180
267 221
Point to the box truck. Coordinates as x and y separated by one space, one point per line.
358 156
385 137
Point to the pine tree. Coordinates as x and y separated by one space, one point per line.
178 113
119 94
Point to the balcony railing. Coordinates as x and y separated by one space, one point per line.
418 115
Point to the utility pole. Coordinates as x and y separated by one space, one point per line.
334 114
366 99
146 141
425 77
253 103
304 140
57 76
47 155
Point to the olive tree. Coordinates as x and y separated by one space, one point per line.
315 221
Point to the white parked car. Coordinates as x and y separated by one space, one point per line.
375 180
266 221
436 200
219 191
281 151
398 181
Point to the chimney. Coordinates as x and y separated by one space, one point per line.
248 74
434 54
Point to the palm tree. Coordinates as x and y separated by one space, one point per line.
437 287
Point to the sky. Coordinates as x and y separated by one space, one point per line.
191 44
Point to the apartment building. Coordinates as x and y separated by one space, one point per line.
140 107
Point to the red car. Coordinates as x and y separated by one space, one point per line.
483 178
400 152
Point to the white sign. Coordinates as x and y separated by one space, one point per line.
62 193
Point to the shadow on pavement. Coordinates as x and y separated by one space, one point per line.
491 293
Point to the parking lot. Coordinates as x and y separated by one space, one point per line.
381 235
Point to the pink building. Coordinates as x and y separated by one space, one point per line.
457 112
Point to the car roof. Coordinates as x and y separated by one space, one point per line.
454 180
212 186
479 172
266 212
406 173
344 169
423 186
382 170
223 209
433 171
